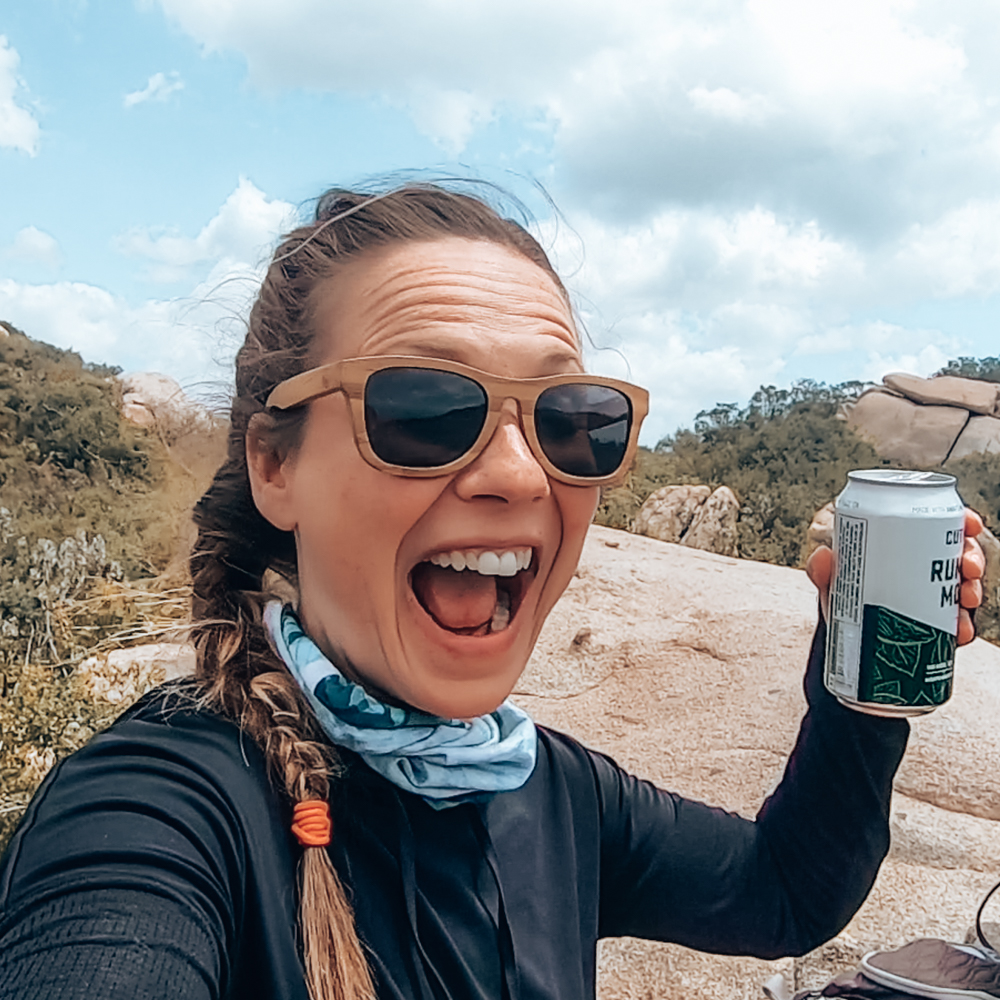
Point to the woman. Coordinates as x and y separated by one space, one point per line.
414 444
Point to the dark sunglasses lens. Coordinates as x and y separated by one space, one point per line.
584 429
421 418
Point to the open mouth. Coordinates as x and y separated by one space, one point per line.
473 591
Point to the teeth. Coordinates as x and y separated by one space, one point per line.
501 614
506 563
489 564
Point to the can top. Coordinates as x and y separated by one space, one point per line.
900 477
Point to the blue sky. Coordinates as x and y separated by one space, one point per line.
751 191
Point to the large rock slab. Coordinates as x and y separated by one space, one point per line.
903 431
948 390
980 435
668 512
686 667
953 760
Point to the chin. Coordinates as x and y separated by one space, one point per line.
450 698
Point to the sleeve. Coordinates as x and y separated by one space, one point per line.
125 878
680 871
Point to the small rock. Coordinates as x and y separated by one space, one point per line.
667 514
820 532
37 764
714 526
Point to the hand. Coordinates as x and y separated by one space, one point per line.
819 569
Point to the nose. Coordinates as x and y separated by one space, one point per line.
506 468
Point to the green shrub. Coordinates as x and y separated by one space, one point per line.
91 512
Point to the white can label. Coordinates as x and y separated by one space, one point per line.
894 610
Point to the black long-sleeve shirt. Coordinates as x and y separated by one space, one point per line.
158 862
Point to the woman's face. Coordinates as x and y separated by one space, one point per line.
373 594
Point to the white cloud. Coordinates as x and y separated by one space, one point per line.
33 246
855 81
706 307
725 103
18 127
192 337
242 231
450 117
958 253
159 88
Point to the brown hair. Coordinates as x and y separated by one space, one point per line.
239 674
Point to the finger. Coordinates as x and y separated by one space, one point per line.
970 594
819 569
973 523
966 630
973 560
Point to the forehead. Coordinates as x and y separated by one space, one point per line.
464 300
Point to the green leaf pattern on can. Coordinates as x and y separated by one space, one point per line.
903 661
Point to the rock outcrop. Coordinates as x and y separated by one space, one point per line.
159 402
694 516
924 422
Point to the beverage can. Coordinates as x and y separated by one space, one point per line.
894 598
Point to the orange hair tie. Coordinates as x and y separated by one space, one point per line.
311 823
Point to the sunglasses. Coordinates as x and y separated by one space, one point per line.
427 417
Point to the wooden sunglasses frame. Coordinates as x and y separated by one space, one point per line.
351 375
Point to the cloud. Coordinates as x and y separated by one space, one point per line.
450 117
858 114
703 307
33 246
159 88
193 336
242 231
18 127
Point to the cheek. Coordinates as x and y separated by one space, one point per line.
578 505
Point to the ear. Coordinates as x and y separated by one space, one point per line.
270 475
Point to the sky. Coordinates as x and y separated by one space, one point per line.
736 192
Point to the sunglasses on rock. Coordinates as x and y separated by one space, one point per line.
426 417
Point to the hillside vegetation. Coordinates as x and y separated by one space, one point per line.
91 511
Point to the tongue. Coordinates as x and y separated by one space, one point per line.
456 600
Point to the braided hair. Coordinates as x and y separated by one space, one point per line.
238 673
